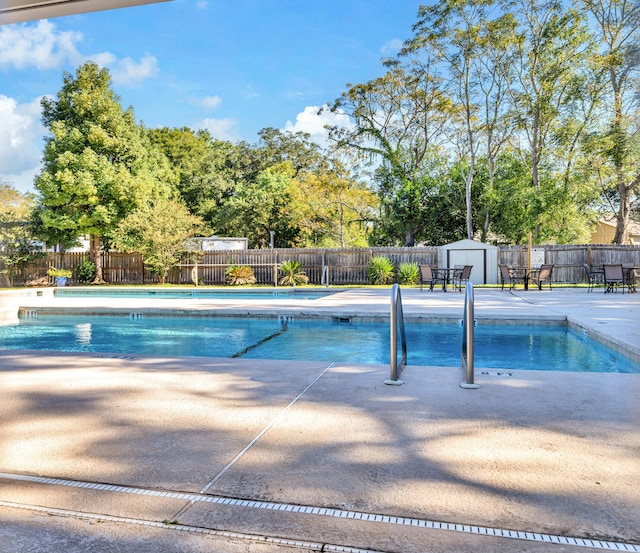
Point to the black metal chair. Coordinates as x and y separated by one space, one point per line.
593 278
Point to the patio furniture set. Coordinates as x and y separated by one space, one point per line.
457 276
613 276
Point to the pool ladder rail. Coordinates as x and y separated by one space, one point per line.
397 323
468 324
396 319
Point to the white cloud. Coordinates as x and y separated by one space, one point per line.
209 102
222 129
21 135
128 72
391 47
202 4
39 45
43 46
312 122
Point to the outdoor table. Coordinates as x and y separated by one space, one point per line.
445 274
524 273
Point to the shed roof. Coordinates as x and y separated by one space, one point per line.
468 245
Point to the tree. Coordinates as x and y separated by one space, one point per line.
453 31
399 120
158 231
98 163
617 30
17 246
260 206
552 45
202 167
336 210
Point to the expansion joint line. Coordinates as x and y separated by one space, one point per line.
275 420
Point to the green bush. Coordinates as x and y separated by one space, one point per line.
239 275
408 273
381 270
85 271
293 275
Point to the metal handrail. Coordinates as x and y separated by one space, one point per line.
396 319
324 279
468 323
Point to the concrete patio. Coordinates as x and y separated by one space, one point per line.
104 452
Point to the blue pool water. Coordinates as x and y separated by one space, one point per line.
552 348
168 293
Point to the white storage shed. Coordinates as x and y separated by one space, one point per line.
483 257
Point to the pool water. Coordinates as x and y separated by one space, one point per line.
256 294
551 348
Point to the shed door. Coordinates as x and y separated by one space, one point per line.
477 258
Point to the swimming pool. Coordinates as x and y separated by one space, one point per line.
202 293
509 347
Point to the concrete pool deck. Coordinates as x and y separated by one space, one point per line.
97 451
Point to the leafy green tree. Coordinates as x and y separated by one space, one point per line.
336 210
276 147
260 206
98 163
617 143
158 231
452 30
399 119
552 50
201 165
17 246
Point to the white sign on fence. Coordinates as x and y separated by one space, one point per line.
537 257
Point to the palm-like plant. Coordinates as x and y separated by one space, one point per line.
293 275
381 270
408 273
239 275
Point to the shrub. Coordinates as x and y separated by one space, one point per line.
408 273
381 270
86 271
293 273
239 275
54 272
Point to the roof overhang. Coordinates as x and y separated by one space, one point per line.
16 11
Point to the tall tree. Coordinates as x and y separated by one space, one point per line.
552 46
617 29
453 31
399 121
98 164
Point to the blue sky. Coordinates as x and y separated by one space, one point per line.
232 67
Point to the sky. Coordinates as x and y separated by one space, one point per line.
232 67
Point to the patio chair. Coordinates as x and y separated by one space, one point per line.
543 275
426 276
593 278
461 277
508 276
613 277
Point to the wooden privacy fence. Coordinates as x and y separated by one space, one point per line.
339 266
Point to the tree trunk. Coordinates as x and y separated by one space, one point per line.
96 256
622 217
410 238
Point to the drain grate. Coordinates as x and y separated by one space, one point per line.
336 513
